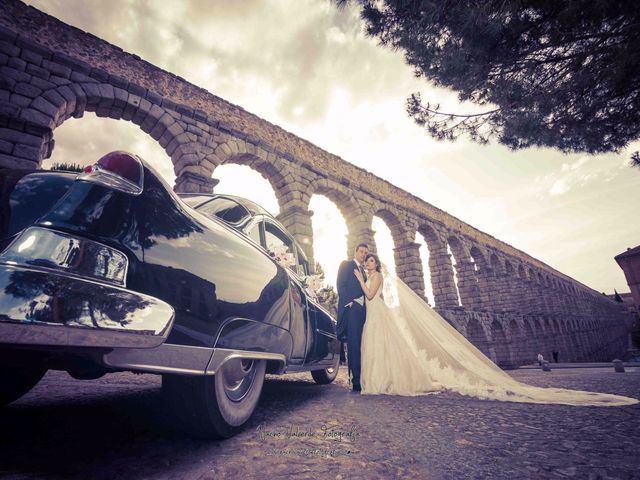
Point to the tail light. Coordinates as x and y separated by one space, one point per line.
118 170
44 249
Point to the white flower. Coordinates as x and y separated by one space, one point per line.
281 254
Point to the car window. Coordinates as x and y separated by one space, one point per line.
225 209
302 264
254 233
276 238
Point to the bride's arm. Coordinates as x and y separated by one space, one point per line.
370 291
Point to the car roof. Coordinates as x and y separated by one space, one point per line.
252 207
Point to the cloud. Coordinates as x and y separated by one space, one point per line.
580 173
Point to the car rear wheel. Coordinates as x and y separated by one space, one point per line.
216 406
17 381
326 375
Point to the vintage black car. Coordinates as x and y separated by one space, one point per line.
109 270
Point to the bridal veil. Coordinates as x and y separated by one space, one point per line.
455 364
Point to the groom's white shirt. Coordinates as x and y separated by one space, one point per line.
360 299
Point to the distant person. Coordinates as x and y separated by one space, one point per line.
540 359
555 356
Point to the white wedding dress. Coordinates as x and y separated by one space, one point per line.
408 349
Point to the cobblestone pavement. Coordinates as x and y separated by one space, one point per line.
113 428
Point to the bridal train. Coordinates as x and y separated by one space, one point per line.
409 349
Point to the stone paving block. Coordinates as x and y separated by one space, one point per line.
59 80
15 136
137 90
118 82
169 104
7 35
79 77
74 64
27 152
38 71
20 100
99 74
5 147
45 107
31 57
41 83
153 97
92 93
56 69
12 73
9 161
17 63
27 90
55 98
121 97
142 111
27 43
36 117
107 95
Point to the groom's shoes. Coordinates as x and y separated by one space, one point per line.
357 388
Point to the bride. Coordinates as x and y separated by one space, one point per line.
408 349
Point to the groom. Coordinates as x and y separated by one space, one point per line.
351 310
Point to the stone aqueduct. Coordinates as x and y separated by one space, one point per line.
507 303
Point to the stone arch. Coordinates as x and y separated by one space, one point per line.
440 266
358 222
479 258
56 105
276 172
496 264
514 331
399 232
485 278
500 345
532 347
508 268
478 336
468 288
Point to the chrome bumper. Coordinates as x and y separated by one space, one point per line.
40 307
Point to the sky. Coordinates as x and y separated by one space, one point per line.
308 67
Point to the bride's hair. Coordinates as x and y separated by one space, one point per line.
375 257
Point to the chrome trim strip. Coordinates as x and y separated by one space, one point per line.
166 358
307 368
222 355
182 359
327 334
67 311
73 336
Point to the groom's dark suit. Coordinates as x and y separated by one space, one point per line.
351 315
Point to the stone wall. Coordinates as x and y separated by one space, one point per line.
50 72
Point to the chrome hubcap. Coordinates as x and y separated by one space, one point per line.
237 377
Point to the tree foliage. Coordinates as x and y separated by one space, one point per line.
560 74
67 167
